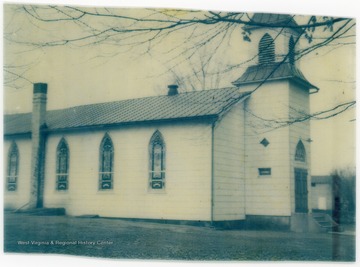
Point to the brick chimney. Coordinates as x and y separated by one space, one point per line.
38 145
173 89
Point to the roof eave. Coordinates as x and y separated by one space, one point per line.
282 23
17 135
254 27
296 79
312 88
202 118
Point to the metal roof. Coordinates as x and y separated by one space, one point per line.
274 71
273 20
196 104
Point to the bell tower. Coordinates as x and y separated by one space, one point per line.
274 37
277 182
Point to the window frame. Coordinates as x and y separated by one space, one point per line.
300 152
62 178
106 176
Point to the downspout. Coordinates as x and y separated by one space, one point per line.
217 119
212 173
38 121
246 155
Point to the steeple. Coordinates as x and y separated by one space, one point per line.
274 38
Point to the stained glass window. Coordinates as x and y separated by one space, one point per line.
106 163
300 153
13 165
62 166
157 161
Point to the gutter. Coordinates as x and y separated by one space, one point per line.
312 88
205 118
8 136
213 125
202 118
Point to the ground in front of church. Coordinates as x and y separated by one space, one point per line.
116 238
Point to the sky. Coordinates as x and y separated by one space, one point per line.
90 74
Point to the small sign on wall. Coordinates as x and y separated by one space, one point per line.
264 171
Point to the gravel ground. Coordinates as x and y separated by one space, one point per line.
115 238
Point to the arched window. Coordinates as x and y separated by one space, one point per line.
106 163
157 161
13 167
266 50
291 51
300 153
62 165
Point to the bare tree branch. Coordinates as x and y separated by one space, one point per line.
205 36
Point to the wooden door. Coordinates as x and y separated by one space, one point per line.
301 191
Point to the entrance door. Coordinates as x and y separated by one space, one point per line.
301 191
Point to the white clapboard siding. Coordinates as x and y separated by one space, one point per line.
20 197
267 194
229 164
187 195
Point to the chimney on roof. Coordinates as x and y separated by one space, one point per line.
39 105
38 121
173 89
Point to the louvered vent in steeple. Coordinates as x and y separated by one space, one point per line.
266 50
291 51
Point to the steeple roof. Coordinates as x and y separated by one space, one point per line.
270 20
274 71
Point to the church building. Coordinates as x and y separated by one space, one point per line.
194 157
